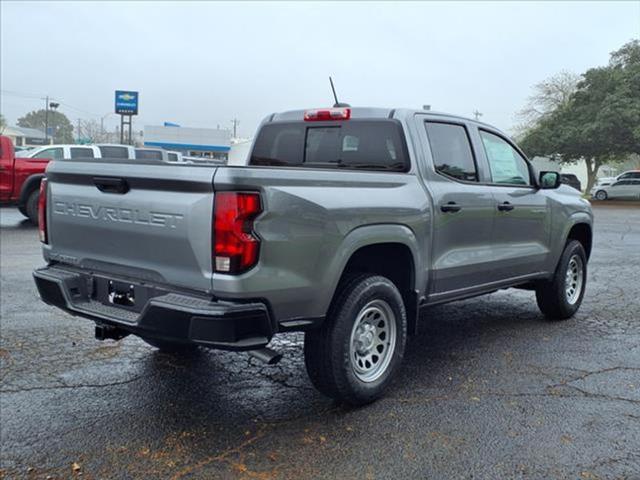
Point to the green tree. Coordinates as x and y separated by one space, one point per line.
58 123
600 123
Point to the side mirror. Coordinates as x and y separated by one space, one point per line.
548 180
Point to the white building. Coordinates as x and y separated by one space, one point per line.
194 142
26 137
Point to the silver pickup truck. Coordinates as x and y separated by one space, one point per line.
346 223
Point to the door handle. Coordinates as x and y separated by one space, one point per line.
450 207
505 207
111 185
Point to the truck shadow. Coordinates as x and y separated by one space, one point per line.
228 388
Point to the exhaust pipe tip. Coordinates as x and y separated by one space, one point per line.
266 355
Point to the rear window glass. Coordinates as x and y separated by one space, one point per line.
148 155
114 152
77 152
359 144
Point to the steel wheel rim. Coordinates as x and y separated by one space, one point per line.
373 341
574 279
601 195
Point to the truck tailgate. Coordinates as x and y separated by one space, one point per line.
145 220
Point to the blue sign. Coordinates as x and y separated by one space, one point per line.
126 102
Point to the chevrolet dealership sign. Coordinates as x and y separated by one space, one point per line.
126 102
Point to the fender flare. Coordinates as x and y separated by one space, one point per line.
573 220
370 235
32 183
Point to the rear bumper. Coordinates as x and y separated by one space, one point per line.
168 315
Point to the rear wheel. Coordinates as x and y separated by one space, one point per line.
560 297
354 355
31 207
167 346
601 195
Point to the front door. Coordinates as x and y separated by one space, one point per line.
6 170
521 232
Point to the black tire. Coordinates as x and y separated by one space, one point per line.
553 296
601 195
327 351
23 210
167 346
31 206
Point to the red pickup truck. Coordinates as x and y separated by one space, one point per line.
20 180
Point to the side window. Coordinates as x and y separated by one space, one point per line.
50 153
77 152
114 152
506 164
451 151
173 157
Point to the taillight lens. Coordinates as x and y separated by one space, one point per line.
322 114
42 211
236 246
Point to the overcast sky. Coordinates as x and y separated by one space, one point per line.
204 63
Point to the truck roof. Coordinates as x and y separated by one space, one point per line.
372 112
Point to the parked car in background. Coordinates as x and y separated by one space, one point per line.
601 182
57 152
627 189
116 150
571 180
20 179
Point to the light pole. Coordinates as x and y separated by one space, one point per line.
48 105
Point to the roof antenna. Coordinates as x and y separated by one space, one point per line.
337 104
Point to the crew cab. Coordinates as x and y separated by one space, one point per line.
347 224
20 179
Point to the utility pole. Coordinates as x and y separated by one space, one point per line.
477 114
235 122
46 120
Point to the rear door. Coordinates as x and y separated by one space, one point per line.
521 232
463 209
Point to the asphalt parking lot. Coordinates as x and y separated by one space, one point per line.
489 389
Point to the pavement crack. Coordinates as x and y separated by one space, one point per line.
75 385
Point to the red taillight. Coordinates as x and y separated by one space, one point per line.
42 211
322 114
235 245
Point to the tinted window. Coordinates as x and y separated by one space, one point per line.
77 152
630 175
173 157
148 154
506 164
51 153
114 152
364 144
279 145
451 151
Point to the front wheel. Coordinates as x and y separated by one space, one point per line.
354 355
31 206
601 195
560 297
